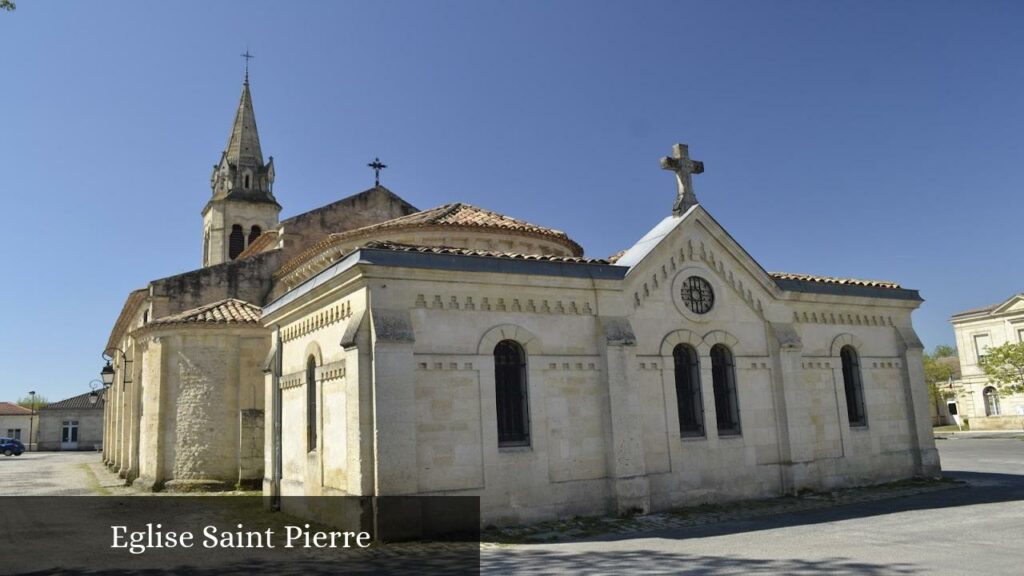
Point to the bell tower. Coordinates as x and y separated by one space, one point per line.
242 206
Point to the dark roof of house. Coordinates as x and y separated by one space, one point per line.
12 409
76 403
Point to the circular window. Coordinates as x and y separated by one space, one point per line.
697 295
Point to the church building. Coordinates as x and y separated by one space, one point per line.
370 348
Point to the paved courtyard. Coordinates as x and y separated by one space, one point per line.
972 529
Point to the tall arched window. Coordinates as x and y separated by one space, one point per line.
311 404
991 396
511 394
854 387
254 233
688 399
723 376
236 243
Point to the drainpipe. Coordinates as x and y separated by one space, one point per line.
275 403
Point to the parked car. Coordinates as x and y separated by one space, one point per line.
11 447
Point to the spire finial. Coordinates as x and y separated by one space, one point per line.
377 167
247 57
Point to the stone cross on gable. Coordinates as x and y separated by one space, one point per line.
680 163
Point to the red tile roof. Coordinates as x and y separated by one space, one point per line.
395 246
229 311
834 280
457 215
12 409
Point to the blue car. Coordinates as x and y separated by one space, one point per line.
11 447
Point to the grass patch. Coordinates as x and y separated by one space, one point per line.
951 428
93 481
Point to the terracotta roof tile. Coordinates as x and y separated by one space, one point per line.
395 246
457 215
229 311
834 280
12 409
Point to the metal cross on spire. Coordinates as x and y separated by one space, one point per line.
247 57
680 163
377 167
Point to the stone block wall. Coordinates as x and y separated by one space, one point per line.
251 434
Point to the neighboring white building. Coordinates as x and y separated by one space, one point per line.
977 330
19 423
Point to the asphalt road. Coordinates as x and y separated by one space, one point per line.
972 530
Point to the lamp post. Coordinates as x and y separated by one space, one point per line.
31 419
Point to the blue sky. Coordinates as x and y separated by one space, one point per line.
865 139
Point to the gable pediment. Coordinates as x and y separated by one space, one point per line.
1014 304
695 238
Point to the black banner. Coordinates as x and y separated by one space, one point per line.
227 535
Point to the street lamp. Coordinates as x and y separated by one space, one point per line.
94 396
107 373
31 419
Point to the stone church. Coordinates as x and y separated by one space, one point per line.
371 348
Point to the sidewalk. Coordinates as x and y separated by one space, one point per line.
977 434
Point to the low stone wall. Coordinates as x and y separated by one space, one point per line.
997 422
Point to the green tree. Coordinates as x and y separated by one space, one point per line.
26 401
941 366
7 5
1004 366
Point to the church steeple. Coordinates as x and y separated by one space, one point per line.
242 205
244 142
241 173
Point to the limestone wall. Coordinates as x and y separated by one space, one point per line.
200 383
90 428
373 206
603 417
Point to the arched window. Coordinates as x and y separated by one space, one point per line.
236 243
511 394
311 404
991 396
723 376
246 185
688 399
254 233
854 387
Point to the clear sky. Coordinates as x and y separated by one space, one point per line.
865 139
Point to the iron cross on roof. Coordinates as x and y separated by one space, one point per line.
680 163
247 57
377 167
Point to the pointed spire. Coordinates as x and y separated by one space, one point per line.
244 144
